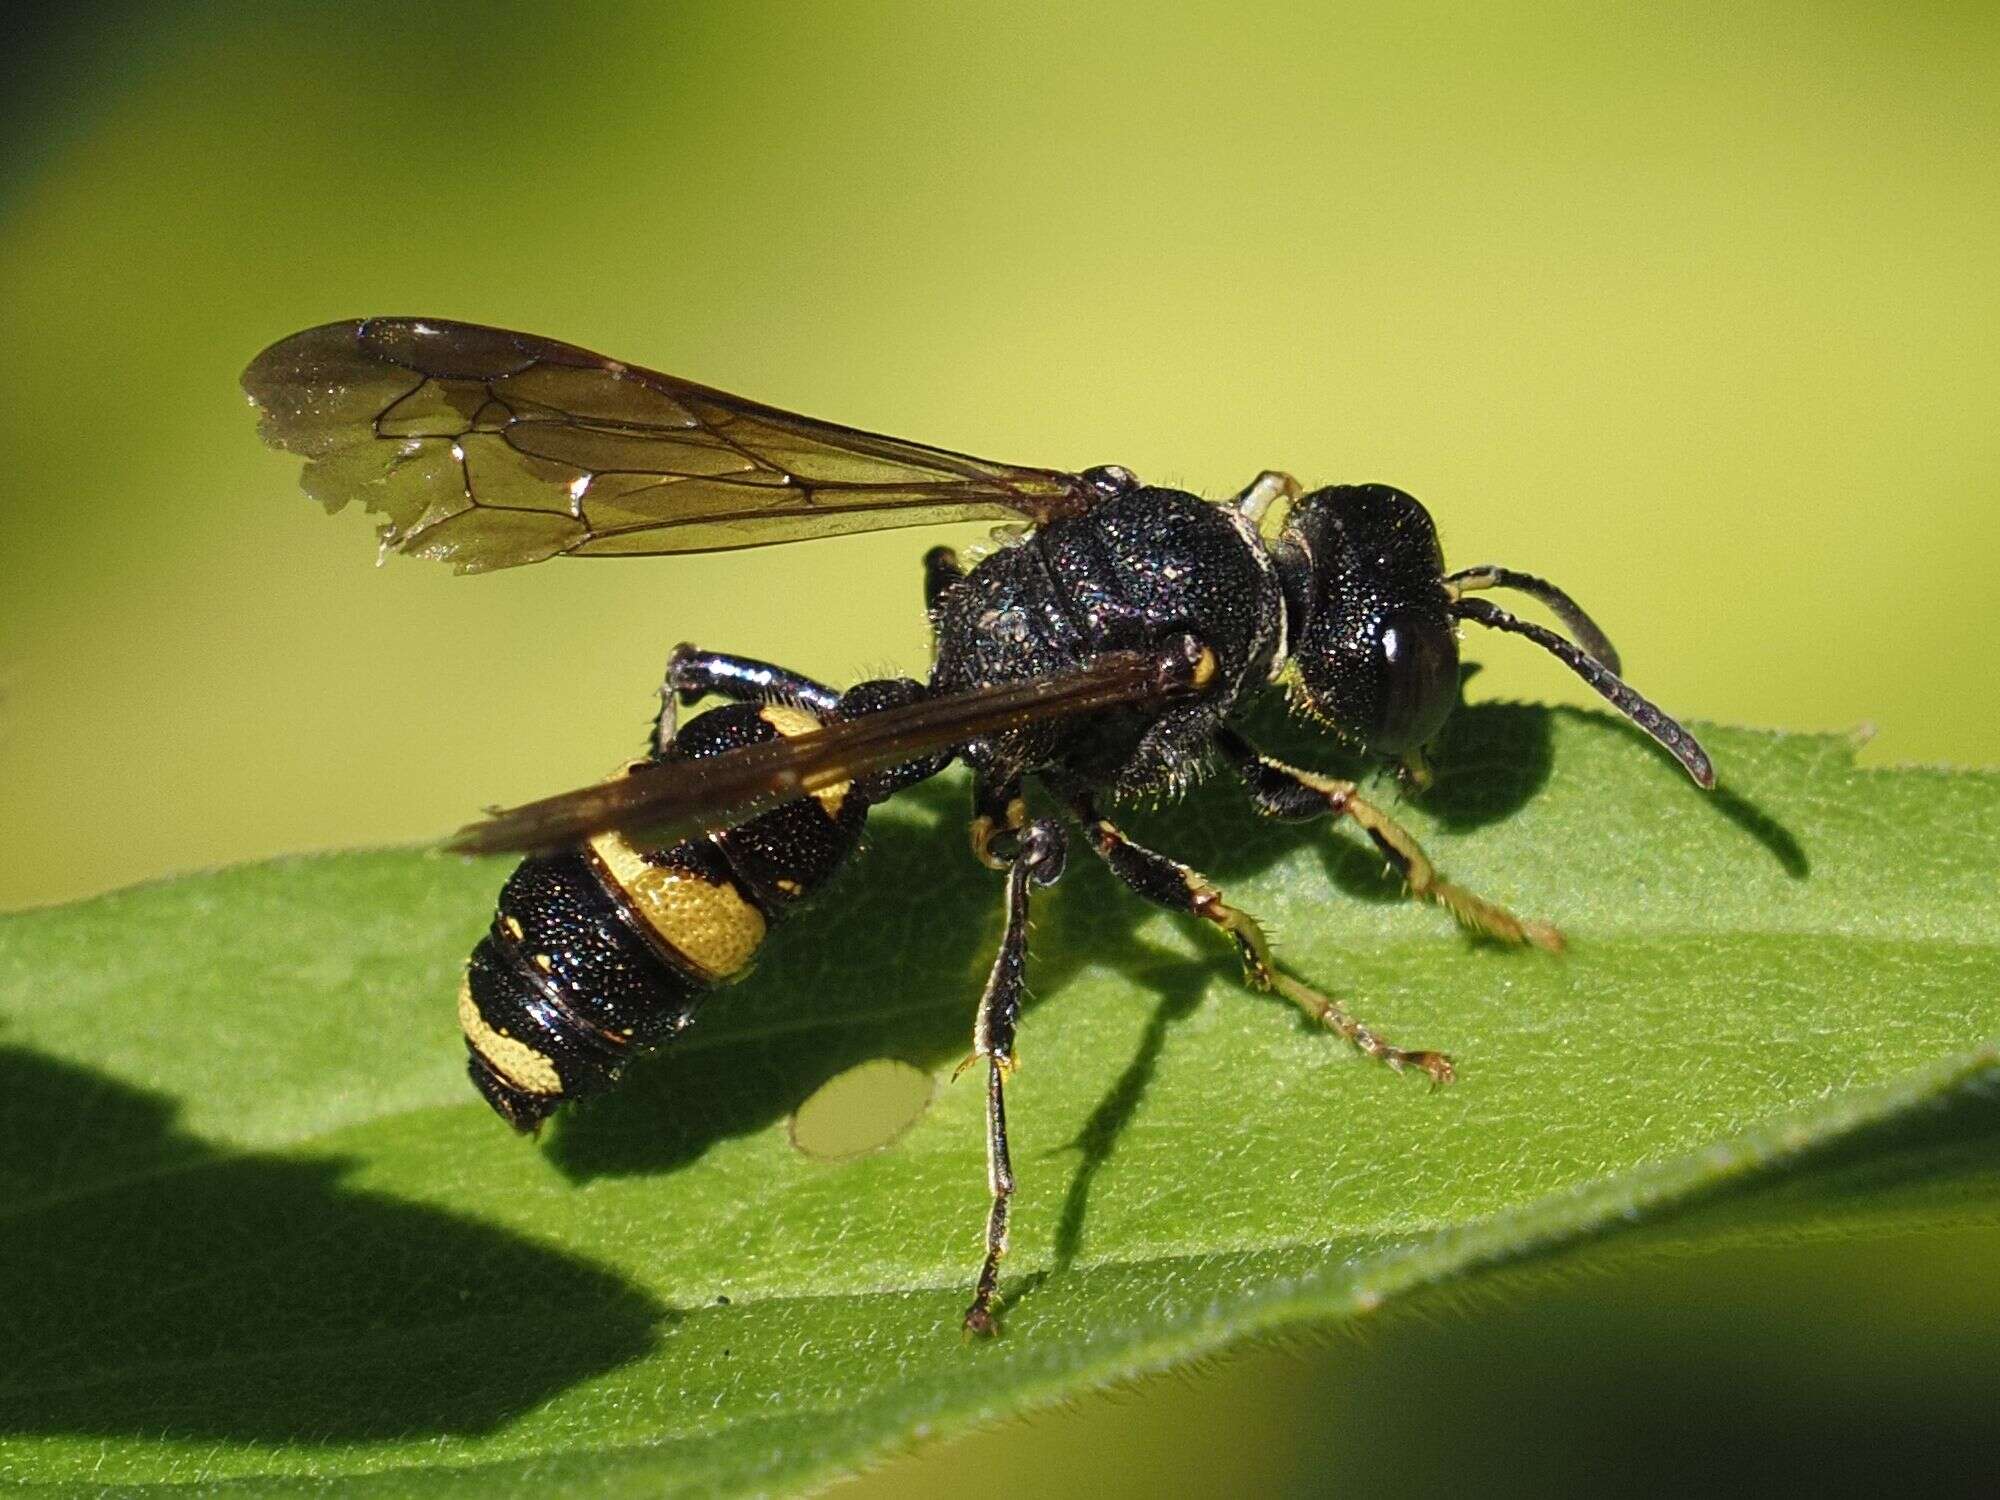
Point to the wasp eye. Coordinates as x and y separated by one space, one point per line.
1418 663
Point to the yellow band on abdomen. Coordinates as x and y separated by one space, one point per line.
510 1057
711 926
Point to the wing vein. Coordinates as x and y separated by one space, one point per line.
357 399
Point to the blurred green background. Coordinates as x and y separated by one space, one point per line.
1692 311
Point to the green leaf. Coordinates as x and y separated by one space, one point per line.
255 1226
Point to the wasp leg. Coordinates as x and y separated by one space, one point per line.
941 570
692 674
1261 493
1038 855
998 810
1285 792
1168 883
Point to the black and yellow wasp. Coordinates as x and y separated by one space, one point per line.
1107 648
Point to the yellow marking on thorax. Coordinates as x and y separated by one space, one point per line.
711 926
790 722
513 1059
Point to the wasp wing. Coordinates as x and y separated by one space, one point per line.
486 449
668 800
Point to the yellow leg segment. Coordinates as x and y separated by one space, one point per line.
1283 791
1168 883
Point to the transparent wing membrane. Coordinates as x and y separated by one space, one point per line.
488 449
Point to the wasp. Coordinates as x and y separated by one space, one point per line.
1107 647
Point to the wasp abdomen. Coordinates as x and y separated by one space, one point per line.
598 953
562 990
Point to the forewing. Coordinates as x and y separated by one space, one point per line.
671 800
486 449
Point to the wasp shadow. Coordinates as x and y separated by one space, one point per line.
889 963
892 961
1490 761
1181 991
157 1285
893 964
1778 840
1723 800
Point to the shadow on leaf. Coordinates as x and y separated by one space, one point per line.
156 1285
892 962
1765 829
1183 987
892 965
1724 800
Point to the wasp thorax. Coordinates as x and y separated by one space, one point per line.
1372 644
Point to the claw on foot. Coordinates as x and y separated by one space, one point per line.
1434 1064
1008 1062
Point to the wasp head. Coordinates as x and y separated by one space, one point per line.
1373 650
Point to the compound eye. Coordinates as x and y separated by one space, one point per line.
1418 659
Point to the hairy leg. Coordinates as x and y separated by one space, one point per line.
998 812
1285 792
1168 883
692 674
1035 857
941 570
